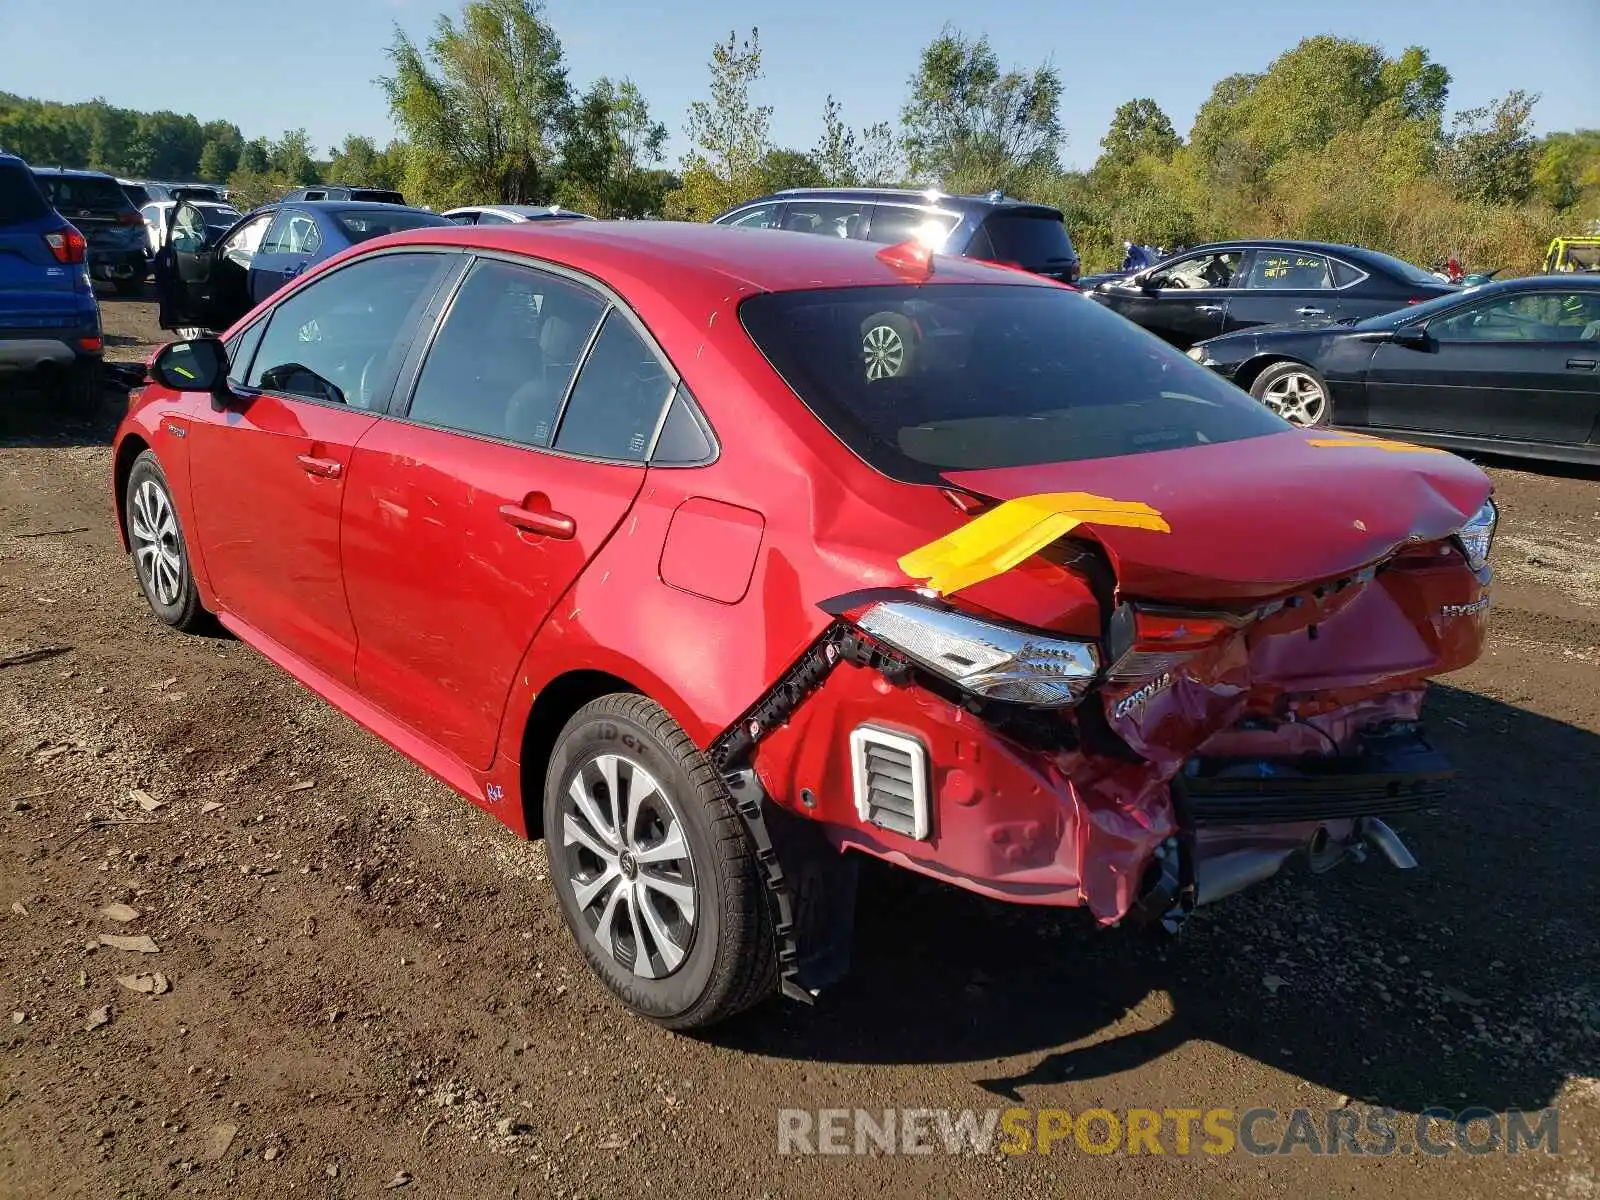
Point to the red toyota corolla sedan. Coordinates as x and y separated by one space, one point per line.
721 558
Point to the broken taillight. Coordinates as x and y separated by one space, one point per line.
1149 641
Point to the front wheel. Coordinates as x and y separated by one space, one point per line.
160 554
653 869
1296 392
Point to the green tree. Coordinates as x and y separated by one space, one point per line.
1138 128
790 169
485 102
255 157
355 161
291 157
835 153
727 135
880 160
1490 151
609 147
971 127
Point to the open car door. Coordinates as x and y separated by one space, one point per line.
204 281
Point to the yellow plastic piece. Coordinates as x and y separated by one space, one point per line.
1373 443
1004 536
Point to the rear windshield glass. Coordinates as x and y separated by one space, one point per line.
377 197
1030 240
218 217
973 376
359 224
20 199
84 191
1399 267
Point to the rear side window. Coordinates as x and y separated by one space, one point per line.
896 223
20 197
1029 240
826 218
84 191
616 403
508 348
340 338
918 381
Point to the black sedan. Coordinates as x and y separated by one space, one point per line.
1512 367
1224 286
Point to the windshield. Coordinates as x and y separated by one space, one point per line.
83 191
359 224
920 380
1415 312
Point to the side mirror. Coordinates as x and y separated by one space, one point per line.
1413 337
200 365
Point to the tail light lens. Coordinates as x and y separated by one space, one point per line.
129 218
67 245
1156 641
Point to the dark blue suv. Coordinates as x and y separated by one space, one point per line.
49 321
994 227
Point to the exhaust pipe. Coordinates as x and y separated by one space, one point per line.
1230 873
1387 842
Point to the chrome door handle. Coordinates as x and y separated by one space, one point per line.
1580 364
1208 308
1311 312
323 468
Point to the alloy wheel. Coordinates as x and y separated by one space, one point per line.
156 545
1297 398
627 858
885 352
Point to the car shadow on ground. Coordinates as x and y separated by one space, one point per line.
29 417
1468 981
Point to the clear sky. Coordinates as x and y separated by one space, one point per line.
282 64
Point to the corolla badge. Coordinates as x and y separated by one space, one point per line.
1143 695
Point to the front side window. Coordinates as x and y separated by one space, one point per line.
825 218
1529 317
493 218
508 348
1289 269
340 338
923 380
1201 271
243 246
616 403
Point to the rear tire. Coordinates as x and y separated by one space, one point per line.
160 552
667 904
129 288
78 390
1297 393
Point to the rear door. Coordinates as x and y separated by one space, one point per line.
38 292
268 470
1283 287
825 218
467 521
892 224
1516 366
290 246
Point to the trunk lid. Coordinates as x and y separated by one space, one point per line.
1259 517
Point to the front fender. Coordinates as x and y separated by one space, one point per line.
160 420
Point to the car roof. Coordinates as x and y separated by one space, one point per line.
1559 282
884 195
74 172
709 255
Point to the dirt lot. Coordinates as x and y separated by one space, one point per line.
369 984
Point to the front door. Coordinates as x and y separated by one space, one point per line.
201 284
1183 302
1516 366
268 469
1284 287
467 522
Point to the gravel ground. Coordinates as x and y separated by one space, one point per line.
361 980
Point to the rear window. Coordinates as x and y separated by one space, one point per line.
1030 240
376 197
922 380
20 198
84 191
361 224
1399 267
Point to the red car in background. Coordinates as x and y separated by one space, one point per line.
622 532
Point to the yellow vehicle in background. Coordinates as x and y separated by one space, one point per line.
1572 254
